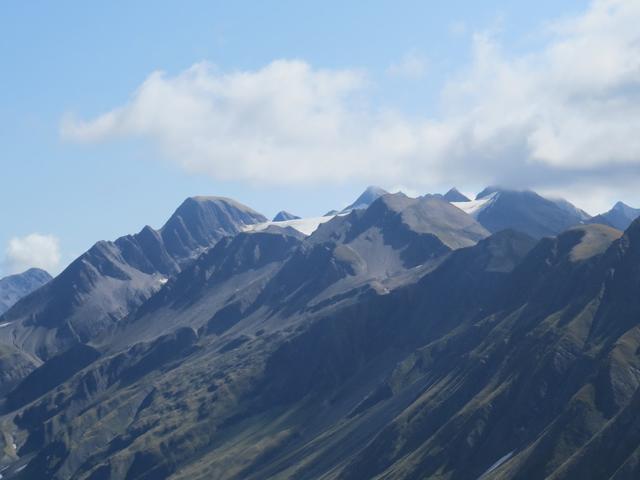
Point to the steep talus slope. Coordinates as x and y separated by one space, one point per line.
214 292
14 366
95 290
103 285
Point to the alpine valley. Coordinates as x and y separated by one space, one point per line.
398 338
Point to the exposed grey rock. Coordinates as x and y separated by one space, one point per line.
104 284
454 195
366 198
283 215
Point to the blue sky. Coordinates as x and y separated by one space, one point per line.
77 61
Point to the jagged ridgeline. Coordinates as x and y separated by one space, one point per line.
405 338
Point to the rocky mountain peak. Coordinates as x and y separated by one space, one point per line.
454 195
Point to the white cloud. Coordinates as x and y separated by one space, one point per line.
412 65
33 250
285 123
568 113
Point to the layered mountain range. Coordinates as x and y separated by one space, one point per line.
430 337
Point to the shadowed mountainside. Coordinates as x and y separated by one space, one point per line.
397 341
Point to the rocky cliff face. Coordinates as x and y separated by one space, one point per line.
104 284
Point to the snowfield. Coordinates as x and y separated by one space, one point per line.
304 225
474 207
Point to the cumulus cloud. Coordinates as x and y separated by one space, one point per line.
566 113
412 65
33 250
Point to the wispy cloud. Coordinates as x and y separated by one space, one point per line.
33 250
565 114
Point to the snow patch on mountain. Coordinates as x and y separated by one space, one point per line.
497 464
304 225
474 207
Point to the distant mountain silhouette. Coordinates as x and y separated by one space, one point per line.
365 199
14 287
283 216
454 195
620 216
525 211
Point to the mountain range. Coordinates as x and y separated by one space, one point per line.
431 337
620 216
14 287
